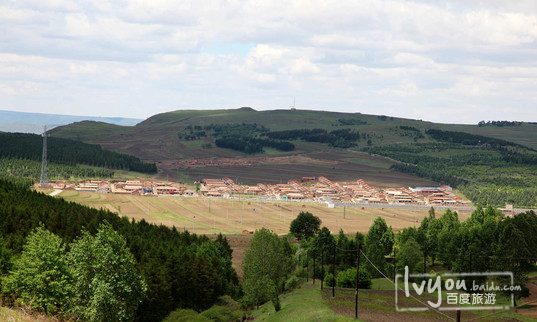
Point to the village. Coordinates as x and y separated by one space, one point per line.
319 189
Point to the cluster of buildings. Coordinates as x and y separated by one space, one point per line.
440 196
323 189
305 189
132 187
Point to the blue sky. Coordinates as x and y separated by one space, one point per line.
444 61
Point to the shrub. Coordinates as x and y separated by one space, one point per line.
348 279
226 310
329 279
183 315
301 272
229 302
291 283
220 313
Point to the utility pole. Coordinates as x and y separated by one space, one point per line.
322 267
313 276
344 212
307 266
44 175
394 263
334 270
357 275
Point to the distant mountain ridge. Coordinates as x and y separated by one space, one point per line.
12 121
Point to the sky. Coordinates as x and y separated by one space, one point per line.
458 61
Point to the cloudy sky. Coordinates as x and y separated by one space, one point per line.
456 61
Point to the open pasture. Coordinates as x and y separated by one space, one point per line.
210 216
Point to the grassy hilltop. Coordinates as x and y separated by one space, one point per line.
156 137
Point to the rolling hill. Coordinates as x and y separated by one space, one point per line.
168 138
156 137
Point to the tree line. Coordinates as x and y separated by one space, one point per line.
24 168
246 138
236 129
179 269
484 175
499 123
468 139
68 152
342 138
253 145
486 242
351 121
249 138
510 151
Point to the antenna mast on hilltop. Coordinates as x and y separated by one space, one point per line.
294 103
44 175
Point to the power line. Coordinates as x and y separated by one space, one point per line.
481 256
397 286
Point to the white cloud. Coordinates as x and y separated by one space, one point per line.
139 57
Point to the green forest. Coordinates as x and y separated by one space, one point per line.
68 152
486 242
252 138
342 138
487 171
24 168
179 270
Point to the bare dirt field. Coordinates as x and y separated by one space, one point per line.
341 166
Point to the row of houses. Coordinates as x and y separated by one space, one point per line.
319 189
323 189
133 187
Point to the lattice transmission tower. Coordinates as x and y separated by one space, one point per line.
44 175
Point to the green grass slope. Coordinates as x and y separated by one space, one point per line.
301 305
156 138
